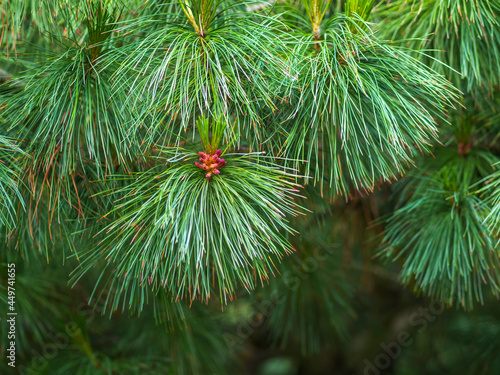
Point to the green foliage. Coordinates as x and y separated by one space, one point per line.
464 34
210 134
363 8
153 154
438 233
64 108
223 64
74 134
9 180
355 117
492 203
14 13
176 229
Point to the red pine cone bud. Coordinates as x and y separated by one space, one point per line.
210 163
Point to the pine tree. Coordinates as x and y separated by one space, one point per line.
185 183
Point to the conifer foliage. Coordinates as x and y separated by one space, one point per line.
191 160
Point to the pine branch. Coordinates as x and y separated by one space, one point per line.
10 196
74 133
229 67
439 236
175 229
462 34
363 108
